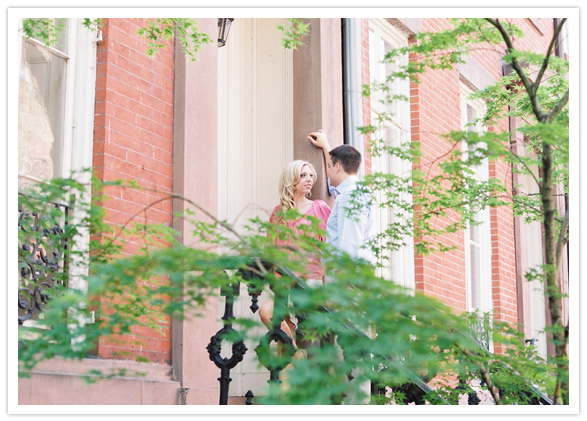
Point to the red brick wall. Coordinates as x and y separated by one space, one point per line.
435 110
133 140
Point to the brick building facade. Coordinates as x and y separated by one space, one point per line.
133 140
165 122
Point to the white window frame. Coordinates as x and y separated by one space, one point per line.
532 254
399 265
79 96
485 299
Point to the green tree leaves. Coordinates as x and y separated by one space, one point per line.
442 193
157 30
293 33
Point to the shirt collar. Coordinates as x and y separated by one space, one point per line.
347 184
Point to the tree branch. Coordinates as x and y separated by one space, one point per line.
548 53
528 85
485 375
559 106
562 238
517 156
171 196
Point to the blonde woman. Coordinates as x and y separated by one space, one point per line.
295 185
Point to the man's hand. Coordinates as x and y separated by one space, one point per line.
319 140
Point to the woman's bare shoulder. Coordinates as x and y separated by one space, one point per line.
321 203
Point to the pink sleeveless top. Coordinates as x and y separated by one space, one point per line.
320 210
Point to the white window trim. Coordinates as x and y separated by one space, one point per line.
80 123
534 258
486 290
403 272
382 28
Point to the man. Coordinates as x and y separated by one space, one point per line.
348 233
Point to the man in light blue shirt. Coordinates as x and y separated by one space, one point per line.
351 224
347 231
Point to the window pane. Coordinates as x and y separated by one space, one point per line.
61 43
40 122
478 268
475 274
471 116
474 234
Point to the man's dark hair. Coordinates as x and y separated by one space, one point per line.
348 157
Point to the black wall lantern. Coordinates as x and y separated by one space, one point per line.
223 28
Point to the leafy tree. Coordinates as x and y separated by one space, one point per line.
164 29
294 33
383 334
536 93
46 30
156 31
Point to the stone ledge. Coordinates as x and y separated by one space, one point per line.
150 371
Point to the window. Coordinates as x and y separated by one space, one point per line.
530 247
56 104
383 37
477 236
394 130
56 95
562 45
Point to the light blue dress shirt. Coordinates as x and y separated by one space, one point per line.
350 233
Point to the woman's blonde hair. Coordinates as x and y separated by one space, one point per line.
290 176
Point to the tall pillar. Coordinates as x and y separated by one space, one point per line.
195 160
318 96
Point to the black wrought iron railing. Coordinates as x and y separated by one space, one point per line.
413 391
276 334
238 350
42 257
